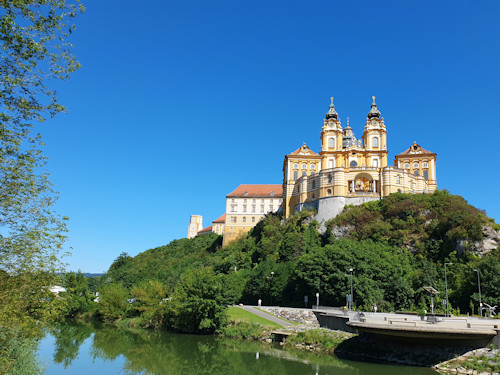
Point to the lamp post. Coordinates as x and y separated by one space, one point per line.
446 287
271 292
352 299
479 287
317 300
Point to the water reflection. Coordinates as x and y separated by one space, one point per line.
154 353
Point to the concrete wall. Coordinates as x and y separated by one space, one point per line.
333 321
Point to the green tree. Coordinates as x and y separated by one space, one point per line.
198 303
113 302
35 52
151 297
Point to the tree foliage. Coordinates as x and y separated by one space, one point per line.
34 51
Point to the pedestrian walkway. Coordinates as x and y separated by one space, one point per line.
262 314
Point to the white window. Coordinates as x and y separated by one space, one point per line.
415 165
304 166
244 208
262 208
296 166
398 180
425 165
313 166
304 173
271 208
253 219
407 165
233 219
331 143
330 163
375 142
375 163
295 175
253 208
244 219
233 208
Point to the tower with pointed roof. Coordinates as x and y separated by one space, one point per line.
348 170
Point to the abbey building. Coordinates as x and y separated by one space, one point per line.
348 170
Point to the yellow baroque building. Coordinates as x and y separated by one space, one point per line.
352 171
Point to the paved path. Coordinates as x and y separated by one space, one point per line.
264 315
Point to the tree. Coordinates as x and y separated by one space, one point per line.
113 303
198 304
34 52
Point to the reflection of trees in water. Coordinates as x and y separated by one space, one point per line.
69 338
155 353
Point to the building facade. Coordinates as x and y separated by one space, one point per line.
246 205
195 225
348 170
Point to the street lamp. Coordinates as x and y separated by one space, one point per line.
446 287
479 287
352 299
271 292
317 300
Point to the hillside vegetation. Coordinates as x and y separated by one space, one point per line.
396 246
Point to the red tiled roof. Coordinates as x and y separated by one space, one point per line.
221 219
412 151
305 150
257 191
206 230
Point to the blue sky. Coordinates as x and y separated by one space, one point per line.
177 103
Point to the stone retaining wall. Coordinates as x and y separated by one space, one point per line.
302 316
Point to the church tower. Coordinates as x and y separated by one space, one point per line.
331 138
375 138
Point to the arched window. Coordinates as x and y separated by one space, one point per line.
295 175
398 180
375 142
426 174
331 143
313 173
330 178
425 165
416 172
407 166
375 163
329 192
415 165
313 166
296 166
353 164
304 173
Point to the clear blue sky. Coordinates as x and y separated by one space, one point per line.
179 102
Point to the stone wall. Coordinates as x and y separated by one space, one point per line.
330 207
301 316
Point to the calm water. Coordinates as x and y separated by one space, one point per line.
86 350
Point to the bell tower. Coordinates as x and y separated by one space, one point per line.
331 138
375 138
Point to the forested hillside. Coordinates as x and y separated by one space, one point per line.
396 246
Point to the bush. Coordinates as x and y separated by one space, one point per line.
243 330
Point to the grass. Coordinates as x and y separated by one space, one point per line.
239 315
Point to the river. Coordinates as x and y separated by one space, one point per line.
81 349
